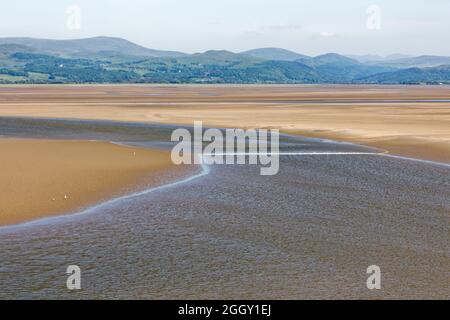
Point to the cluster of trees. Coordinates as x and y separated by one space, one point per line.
264 72
212 67
165 71
73 70
12 72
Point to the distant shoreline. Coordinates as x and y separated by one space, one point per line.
188 84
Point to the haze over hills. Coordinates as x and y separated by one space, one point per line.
419 62
376 58
115 60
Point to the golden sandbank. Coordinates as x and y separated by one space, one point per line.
42 178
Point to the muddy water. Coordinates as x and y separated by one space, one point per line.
309 232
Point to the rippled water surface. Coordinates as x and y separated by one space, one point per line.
309 232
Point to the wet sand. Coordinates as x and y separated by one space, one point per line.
309 232
41 178
412 121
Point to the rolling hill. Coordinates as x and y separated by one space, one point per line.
339 68
431 75
418 62
86 46
115 60
224 67
371 58
274 54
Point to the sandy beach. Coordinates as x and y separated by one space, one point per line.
41 178
412 121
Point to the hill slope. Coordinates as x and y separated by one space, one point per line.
440 74
89 46
343 69
274 54
419 62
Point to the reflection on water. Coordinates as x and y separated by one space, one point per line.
309 232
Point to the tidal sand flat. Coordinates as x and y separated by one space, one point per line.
41 178
412 121
308 232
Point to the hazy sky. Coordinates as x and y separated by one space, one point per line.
306 26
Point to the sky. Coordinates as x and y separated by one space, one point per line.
306 26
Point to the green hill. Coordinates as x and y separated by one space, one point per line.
114 60
89 46
433 75
274 54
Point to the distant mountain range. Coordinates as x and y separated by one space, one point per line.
115 60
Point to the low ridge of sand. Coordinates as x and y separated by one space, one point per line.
42 178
